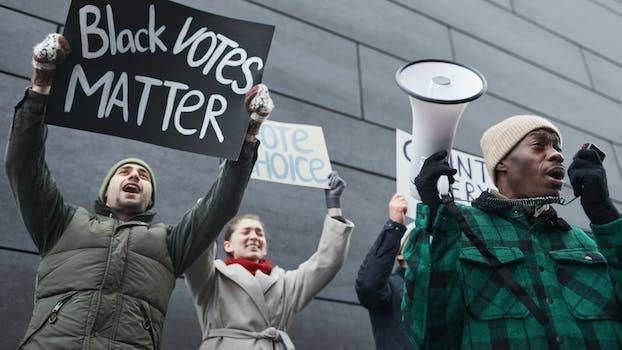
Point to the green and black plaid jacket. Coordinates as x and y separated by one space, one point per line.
452 302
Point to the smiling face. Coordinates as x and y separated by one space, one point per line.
533 168
129 190
247 241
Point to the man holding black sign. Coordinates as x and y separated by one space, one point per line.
507 272
105 279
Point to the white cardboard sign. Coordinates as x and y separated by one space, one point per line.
471 179
293 154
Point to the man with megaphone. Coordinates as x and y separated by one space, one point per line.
507 272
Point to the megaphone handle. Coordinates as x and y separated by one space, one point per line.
443 185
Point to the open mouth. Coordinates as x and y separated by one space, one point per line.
557 174
131 188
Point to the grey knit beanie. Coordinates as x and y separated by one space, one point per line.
501 138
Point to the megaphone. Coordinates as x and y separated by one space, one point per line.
439 92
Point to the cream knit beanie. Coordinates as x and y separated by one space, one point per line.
501 138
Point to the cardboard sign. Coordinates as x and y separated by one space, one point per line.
471 179
293 154
159 72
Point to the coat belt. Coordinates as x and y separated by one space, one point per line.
269 333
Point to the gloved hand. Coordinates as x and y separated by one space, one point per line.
333 195
433 168
260 105
589 180
53 50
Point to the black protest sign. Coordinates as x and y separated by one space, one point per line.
159 72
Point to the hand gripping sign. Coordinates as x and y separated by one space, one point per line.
293 154
159 72
471 179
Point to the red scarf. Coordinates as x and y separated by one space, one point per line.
263 265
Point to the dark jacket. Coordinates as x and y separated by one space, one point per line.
455 301
380 291
105 283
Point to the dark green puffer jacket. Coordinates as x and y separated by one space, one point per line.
104 283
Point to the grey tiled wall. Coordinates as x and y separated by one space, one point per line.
332 64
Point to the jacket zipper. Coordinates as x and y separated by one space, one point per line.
99 291
51 318
147 325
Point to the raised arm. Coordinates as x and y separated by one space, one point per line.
201 225
372 283
200 275
432 306
38 199
314 274
589 180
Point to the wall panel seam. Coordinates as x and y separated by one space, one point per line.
587 68
28 14
360 76
570 40
451 43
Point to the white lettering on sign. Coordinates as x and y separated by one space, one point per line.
144 97
217 50
124 42
77 75
214 45
191 101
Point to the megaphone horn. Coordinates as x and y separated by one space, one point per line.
438 91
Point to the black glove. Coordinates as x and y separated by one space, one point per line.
433 168
333 195
589 180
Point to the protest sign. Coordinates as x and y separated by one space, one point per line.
471 179
159 72
293 154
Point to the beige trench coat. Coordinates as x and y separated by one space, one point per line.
237 310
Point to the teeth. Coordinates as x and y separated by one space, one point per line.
130 188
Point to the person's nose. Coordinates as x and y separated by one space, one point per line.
555 155
134 175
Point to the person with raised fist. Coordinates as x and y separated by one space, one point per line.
507 272
379 287
243 302
105 277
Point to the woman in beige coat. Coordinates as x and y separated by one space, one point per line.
244 303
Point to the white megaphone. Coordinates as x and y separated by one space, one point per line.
439 91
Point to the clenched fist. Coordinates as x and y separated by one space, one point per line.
53 50
259 104
589 180
398 206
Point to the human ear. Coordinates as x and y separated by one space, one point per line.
501 167
227 246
